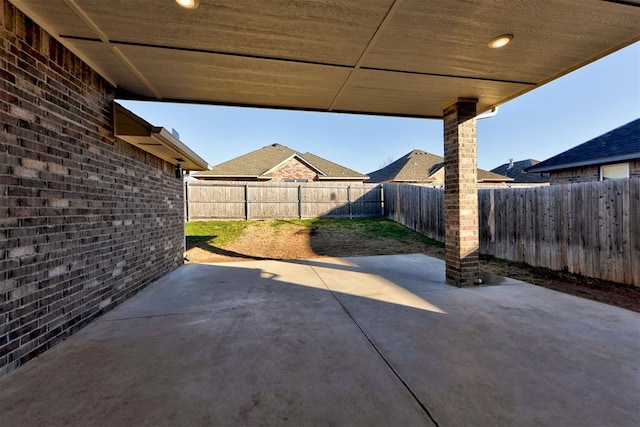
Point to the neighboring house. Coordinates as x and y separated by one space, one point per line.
420 167
517 171
277 163
614 155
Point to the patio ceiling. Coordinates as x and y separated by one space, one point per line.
407 58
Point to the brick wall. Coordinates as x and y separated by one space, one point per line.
584 174
588 173
86 220
293 169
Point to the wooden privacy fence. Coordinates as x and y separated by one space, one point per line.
590 228
207 200
419 208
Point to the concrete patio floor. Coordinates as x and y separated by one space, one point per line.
373 341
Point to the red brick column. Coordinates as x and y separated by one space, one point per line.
461 193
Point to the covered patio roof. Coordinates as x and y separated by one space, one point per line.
388 57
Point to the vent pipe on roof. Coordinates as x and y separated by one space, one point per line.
510 163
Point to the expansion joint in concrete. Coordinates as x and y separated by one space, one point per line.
377 350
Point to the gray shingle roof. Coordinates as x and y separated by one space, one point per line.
518 173
620 144
259 162
412 167
420 166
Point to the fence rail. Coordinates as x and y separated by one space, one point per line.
236 200
590 228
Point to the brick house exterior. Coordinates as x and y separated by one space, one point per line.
588 173
278 163
590 160
87 219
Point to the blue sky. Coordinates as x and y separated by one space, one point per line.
544 122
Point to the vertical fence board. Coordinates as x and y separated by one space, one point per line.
626 245
634 229
532 227
609 225
548 231
592 209
570 213
617 237
582 221
562 224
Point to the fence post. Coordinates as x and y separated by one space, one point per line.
186 200
349 201
420 226
299 201
246 201
398 205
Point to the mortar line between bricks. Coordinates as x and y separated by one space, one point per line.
366 336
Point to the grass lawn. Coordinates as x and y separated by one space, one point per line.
218 233
224 233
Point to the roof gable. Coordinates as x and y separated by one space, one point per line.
619 144
415 166
420 166
296 156
260 163
253 164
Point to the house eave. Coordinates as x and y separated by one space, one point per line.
229 177
342 178
179 147
156 140
589 162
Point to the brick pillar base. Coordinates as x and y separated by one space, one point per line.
461 193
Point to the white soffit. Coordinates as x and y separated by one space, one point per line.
155 140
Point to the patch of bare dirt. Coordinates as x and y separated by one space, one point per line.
263 240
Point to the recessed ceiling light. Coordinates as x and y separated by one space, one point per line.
500 41
188 4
